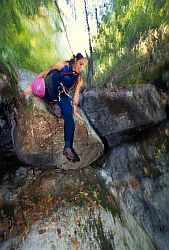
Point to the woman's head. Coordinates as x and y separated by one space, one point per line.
78 62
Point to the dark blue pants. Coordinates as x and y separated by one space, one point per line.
52 82
69 126
51 95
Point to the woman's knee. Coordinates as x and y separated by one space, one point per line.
68 117
66 107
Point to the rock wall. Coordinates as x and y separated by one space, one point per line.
137 174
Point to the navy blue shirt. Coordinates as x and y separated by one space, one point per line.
68 80
54 77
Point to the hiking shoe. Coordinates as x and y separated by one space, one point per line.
68 153
56 110
76 155
71 155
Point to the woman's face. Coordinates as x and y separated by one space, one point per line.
79 65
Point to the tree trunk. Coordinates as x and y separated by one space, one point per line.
90 58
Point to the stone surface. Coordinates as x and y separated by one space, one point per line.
4 83
165 76
8 84
39 138
137 174
72 211
114 112
24 78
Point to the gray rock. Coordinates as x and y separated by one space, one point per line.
5 132
138 176
38 135
165 76
8 197
115 112
85 217
24 78
38 138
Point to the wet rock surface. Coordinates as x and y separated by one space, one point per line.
116 112
138 174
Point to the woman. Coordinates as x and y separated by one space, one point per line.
58 79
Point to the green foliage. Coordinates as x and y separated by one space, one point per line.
145 61
29 34
122 27
30 37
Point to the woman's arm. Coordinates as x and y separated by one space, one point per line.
55 66
77 95
28 89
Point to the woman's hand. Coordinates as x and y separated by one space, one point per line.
27 90
76 97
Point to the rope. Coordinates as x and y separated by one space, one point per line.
61 90
64 26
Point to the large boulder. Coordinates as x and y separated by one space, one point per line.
39 137
115 111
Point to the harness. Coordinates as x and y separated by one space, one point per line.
61 88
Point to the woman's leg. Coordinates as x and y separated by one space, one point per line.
69 126
51 92
52 83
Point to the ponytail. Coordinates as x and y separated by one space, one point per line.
75 58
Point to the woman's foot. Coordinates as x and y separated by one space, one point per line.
56 110
70 154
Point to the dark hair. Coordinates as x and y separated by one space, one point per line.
71 62
76 57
